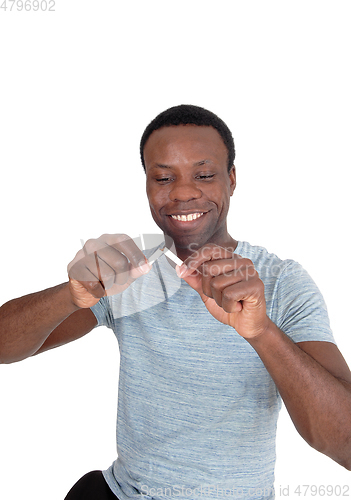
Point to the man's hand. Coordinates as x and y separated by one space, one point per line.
230 288
105 266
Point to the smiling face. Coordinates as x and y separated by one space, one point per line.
188 185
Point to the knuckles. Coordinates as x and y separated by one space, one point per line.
234 288
105 240
101 263
120 264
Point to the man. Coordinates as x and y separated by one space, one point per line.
206 350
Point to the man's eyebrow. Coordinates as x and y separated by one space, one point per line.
196 164
161 165
201 162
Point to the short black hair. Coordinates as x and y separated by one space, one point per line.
187 114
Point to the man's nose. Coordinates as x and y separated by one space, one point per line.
184 191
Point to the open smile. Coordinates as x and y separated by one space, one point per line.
188 217
189 221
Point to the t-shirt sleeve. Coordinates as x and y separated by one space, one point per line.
302 312
102 312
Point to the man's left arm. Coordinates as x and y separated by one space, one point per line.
313 378
314 382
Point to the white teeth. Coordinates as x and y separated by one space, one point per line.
185 218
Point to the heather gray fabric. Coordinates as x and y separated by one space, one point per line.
197 409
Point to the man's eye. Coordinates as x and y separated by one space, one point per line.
163 179
206 176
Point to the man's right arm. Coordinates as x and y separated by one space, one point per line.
40 321
53 317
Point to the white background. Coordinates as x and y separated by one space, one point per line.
78 86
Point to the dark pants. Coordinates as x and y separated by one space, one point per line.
92 486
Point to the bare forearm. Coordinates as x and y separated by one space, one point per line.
26 322
318 403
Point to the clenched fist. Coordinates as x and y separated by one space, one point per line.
229 286
105 266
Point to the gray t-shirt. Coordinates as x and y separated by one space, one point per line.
197 409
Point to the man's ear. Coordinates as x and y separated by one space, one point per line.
232 178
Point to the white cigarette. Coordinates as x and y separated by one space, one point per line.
165 251
172 256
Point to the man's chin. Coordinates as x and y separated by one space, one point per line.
185 243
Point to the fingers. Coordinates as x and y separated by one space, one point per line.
112 265
125 245
213 284
229 282
232 297
108 262
213 260
207 253
226 277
